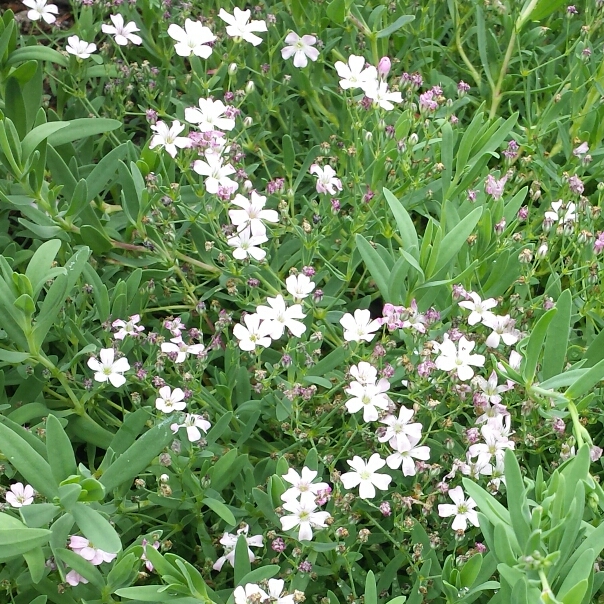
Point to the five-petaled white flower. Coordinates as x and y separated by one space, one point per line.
246 244
176 345
84 548
354 74
463 510
108 368
275 592
209 116
41 10
360 326
168 137
127 328
252 213
451 358
503 329
561 212
405 453
253 333
240 26
193 39
20 495
299 286
399 431
327 182
303 514
216 172
229 541
249 594
301 48
480 309
170 400
120 32
302 485
279 316
369 398
364 373
79 48
380 95
365 476
193 423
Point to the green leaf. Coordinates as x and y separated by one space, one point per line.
400 22
482 44
38 134
37 53
261 574
405 225
453 241
446 157
79 199
242 560
138 456
14 106
53 302
60 452
97 240
470 570
30 464
535 345
38 515
40 263
17 539
370 589
310 158
376 266
36 563
82 128
221 509
542 10
516 497
220 474
486 503
586 382
96 528
13 357
289 154
556 341
580 571
104 171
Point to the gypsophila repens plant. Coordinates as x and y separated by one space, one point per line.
301 302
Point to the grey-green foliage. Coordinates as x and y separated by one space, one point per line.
546 540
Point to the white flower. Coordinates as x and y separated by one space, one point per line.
177 345
217 174
490 390
275 592
168 137
252 213
304 516
459 360
365 476
170 400
354 74
246 244
378 92
193 39
250 594
405 453
299 286
254 333
229 541
360 326
19 495
193 423
562 213
326 179
481 309
300 48
279 316
127 328
122 33
495 444
463 510
302 485
108 369
364 373
79 48
209 116
41 10
399 431
238 26
368 397
503 329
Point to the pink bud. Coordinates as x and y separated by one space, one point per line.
384 67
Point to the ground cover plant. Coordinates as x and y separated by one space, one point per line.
301 302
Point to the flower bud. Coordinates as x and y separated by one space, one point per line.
248 121
541 251
250 87
232 69
384 67
368 136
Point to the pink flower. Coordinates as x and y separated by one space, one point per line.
495 187
84 548
74 578
20 495
127 328
148 564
